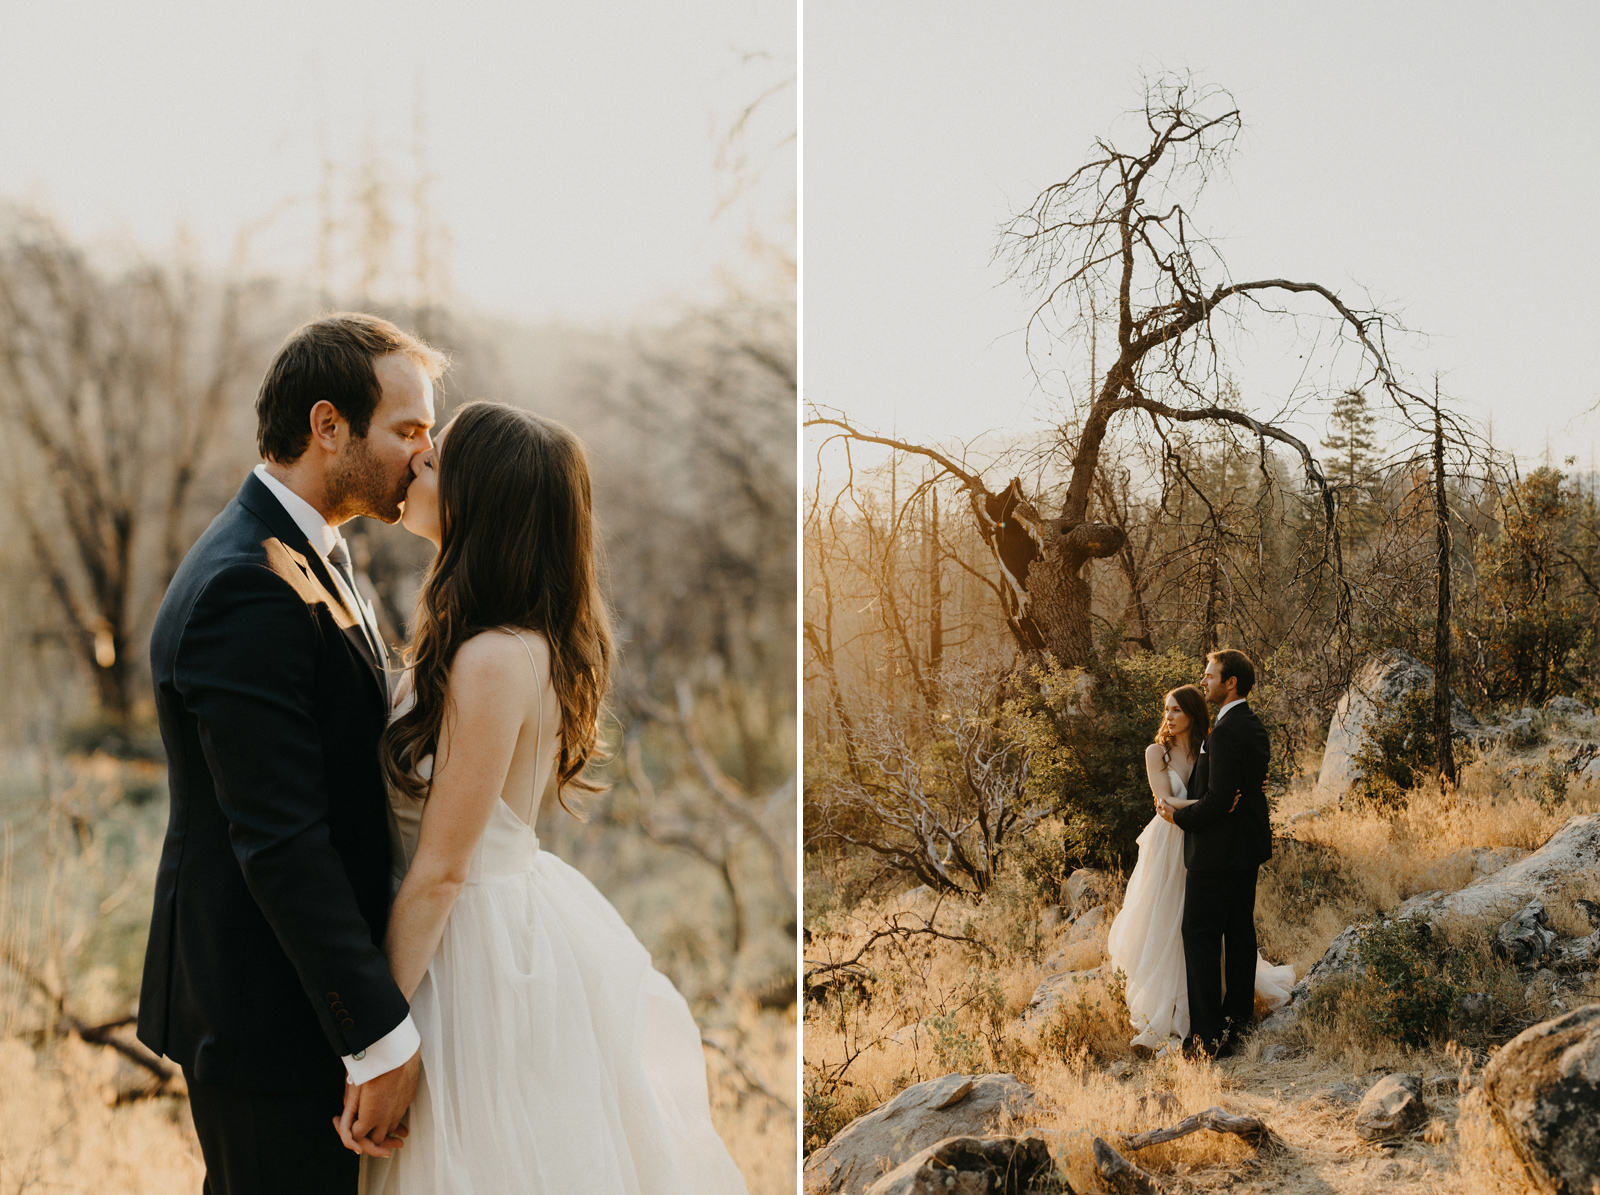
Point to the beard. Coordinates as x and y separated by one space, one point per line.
362 486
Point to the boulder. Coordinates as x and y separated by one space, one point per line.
1567 707
1075 956
1526 939
1063 985
1392 1107
1089 924
1386 679
1085 888
1472 1010
1572 848
974 1166
1544 1087
920 1116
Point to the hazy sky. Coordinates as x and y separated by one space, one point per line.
1443 156
573 145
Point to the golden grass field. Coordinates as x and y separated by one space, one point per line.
932 1006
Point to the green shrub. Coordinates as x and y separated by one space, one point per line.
1407 995
1399 749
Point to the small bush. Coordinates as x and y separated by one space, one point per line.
1408 997
1398 751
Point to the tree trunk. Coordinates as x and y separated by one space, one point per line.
935 597
1441 627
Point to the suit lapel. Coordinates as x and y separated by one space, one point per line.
255 497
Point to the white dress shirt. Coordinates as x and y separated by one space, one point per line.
396 1047
1223 712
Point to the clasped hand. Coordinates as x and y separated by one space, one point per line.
370 1123
1165 811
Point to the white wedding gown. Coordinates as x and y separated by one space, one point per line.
555 1058
1146 939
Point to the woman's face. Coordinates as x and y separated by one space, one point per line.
1177 722
421 513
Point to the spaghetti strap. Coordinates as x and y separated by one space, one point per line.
538 726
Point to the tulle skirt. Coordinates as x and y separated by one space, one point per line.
1146 943
555 1059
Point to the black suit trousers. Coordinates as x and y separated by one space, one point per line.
271 1142
1220 906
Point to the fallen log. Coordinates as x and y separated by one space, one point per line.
1253 1132
1121 1175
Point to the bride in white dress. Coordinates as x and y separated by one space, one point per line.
554 1058
1146 938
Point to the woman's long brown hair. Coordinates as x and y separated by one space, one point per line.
1192 702
516 549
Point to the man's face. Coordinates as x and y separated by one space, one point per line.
1211 683
373 471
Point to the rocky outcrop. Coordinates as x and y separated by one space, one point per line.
1384 680
1508 892
1573 848
1392 1107
1049 995
1544 1087
974 1166
919 1117
1086 888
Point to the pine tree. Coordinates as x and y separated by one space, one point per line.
1350 439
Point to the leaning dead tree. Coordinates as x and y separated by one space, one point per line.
1117 237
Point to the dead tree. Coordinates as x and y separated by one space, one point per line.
1117 236
117 384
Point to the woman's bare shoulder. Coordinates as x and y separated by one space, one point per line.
498 657
1154 753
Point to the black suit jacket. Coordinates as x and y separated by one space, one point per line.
1219 836
272 896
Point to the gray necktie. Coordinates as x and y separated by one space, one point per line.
339 557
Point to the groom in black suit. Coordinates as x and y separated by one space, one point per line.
265 977
1227 837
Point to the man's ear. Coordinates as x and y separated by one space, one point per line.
326 425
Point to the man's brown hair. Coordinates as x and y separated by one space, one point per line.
1235 663
329 358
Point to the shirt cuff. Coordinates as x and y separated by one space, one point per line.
393 1049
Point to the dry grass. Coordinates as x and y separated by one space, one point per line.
921 1006
74 903
759 1134
60 1132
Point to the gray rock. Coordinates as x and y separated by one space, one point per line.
1591 910
1544 1087
1304 816
973 1166
1050 919
1063 985
1339 1095
1473 1009
1567 707
1085 888
1386 678
1526 939
1487 860
1088 924
920 1116
1571 849
1392 1107
1277 1052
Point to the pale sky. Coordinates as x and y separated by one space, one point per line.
574 146
1441 156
